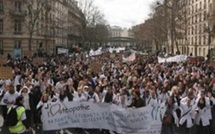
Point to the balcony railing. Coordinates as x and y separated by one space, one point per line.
18 13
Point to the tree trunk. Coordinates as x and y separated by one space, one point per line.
172 42
176 44
156 46
30 42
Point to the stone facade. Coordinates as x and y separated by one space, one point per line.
51 27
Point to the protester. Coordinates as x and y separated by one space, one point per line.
202 117
25 93
10 96
22 125
34 97
168 126
137 102
135 84
2 93
187 115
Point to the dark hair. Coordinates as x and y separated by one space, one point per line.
18 99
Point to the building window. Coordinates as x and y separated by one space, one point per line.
205 15
1 26
18 6
204 52
18 27
17 44
1 47
1 6
200 51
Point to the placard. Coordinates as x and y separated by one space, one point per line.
95 66
88 115
3 60
6 73
27 53
112 55
37 61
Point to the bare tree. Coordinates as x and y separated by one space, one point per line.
153 30
35 10
91 12
94 23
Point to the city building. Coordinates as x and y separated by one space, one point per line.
115 31
120 36
24 33
198 40
75 23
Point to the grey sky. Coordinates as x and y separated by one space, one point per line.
125 13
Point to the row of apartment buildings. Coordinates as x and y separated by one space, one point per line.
198 27
188 24
51 23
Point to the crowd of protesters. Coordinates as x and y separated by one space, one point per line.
188 89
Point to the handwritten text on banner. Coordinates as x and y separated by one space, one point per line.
102 116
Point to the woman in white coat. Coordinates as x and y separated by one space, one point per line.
44 102
169 119
187 115
25 93
79 96
202 118
121 99
211 112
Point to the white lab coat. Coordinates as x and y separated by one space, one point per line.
188 114
152 101
94 98
120 102
202 115
209 109
78 98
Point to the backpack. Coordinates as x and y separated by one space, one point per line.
11 118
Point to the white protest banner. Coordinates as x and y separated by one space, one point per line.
177 58
89 115
96 53
62 51
161 60
131 58
117 50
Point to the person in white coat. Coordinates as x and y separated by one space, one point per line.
121 99
25 93
202 119
169 119
153 98
92 96
2 93
62 97
10 96
211 111
44 102
79 96
187 115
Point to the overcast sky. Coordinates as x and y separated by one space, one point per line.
125 13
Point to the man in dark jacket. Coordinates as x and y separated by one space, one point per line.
137 101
